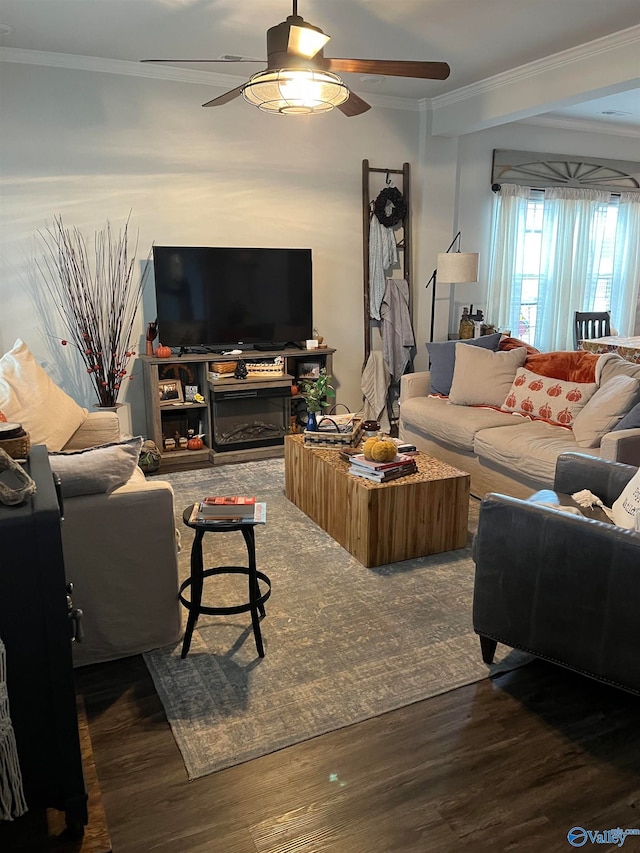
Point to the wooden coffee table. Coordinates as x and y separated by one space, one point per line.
424 513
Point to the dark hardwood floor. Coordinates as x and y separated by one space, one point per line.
504 765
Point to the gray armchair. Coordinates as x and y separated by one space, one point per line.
563 587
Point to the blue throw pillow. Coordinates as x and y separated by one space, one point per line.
631 420
442 360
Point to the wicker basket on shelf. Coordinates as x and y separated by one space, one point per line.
14 440
223 366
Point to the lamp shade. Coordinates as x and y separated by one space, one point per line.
458 267
295 91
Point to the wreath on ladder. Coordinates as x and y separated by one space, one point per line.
398 211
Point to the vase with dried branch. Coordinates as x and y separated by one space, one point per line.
97 299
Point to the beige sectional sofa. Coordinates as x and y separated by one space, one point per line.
510 453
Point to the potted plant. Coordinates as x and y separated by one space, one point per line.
316 394
97 301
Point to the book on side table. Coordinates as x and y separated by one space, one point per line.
229 509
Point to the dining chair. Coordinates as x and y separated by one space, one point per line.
590 324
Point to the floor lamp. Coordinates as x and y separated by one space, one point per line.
455 268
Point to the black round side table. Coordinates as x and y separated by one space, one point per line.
199 573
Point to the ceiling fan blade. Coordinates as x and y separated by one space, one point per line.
224 99
391 67
353 106
204 60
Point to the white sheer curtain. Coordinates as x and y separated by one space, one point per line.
506 260
625 285
570 257
571 245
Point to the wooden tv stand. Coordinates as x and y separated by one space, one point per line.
193 369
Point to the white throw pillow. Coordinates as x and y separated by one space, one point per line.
29 397
604 410
547 399
626 509
96 470
482 377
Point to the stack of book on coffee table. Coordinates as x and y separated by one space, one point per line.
229 509
382 472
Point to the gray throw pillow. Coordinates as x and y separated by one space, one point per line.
96 470
442 360
630 421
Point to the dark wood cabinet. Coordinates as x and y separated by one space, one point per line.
35 628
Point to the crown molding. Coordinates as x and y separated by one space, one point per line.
606 44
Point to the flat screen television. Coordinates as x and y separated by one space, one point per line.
222 298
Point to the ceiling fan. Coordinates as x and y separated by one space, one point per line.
299 79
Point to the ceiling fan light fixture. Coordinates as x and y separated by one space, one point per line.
306 41
295 91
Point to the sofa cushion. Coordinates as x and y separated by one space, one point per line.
604 410
528 450
96 470
100 427
630 421
548 399
441 420
29 397
614 365
442 358
626 508
482 377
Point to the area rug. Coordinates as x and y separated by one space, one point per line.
343 643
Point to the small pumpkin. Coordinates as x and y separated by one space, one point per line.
195 443
384 450
162 351
367 447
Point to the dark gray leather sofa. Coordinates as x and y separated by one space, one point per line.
565 588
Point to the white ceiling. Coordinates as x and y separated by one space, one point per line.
478 38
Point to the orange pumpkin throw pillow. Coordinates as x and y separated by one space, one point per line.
3 417
546 398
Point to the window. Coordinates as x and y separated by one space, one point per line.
558 251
